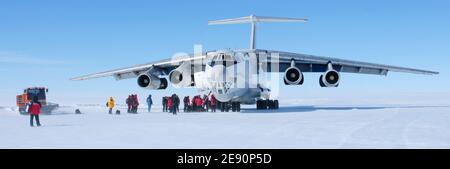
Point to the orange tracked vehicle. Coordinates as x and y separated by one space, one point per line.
29 94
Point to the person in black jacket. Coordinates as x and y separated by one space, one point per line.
178 102
175 103
164 103
186 102
206 103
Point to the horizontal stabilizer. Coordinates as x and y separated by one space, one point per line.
254 19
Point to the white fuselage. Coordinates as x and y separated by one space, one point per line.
234 78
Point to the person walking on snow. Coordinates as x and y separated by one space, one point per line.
128 101
199 103
136 103
174 104
186 102
164 103
110 104
206 103
169 104
149 102
177 101
195 103
131 102
213 103
34 110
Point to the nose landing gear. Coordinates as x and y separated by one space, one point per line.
226 106
235 106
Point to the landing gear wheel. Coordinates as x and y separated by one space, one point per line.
236 106
222 107
260 105
263 104
267 104
227 106
270 104
233 106
276 104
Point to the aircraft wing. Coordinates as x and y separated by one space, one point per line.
310 63
162 66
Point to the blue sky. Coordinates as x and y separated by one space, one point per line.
44 43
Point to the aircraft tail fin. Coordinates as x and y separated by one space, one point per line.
252 19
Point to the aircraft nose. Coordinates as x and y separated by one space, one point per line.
222 97
218 73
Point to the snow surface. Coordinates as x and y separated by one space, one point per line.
320 126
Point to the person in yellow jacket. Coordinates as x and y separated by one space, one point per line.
110 104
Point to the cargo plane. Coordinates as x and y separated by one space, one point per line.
233 75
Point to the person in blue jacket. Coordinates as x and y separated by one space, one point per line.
149 102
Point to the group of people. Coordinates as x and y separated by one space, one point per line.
200 104
132 103
171 104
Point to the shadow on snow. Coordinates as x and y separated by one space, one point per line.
293 109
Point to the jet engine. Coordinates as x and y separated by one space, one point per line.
293 76
150 81
330 78
182 76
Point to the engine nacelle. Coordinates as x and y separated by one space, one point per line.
182 76
329 79
293 76
149 81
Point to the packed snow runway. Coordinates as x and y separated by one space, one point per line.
400 126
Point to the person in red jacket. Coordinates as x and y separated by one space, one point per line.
128 101
198 103
169 104
135 103
35 110
212 103
194 105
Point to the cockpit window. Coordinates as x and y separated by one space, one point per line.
39 93
223 59
222 87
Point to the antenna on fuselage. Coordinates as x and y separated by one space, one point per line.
253 20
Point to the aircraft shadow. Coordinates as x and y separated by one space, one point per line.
294 109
